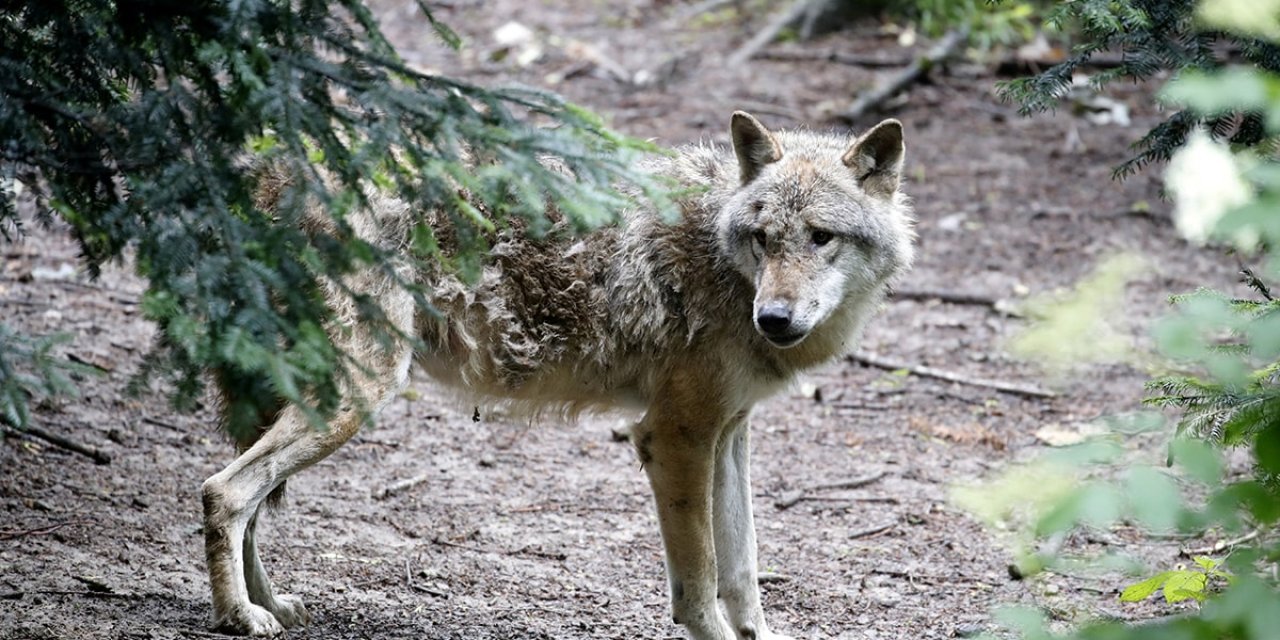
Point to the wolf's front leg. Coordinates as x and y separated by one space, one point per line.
735 534
679 456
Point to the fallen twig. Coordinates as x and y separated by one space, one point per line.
523 551
396 488
944 49
862 406
949 376
378 443
791 498
683 16
17 595
871 531
81 360
61 442
770 577
94 584
203 634
770 31
161 423
851 503
408 579
1219 546
913 577
839 57
39 531
1016 66
951 297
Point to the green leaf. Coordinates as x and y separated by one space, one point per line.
1029 623
1232 89
1154 498
1206 563
1095 504
1185 585
1143 590
1200 459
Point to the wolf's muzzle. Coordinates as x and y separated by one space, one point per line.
774 323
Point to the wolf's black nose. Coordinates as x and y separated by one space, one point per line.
774 319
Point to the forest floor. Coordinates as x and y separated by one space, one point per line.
546 530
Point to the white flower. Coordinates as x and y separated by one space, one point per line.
1205 183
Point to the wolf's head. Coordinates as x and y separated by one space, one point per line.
817 221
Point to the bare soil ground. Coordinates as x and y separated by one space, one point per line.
545 530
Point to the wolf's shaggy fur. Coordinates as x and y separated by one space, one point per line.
771 269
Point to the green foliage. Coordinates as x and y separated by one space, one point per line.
1191 583
142 125
1218 354
1154 37
28 370
990 23
1074 327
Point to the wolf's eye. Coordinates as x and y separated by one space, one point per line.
759 236
821 238
757 206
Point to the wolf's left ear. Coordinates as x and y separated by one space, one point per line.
876 159
753 144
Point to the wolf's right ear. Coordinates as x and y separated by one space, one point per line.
753 144
876 159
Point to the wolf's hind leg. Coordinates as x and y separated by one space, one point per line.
242 598
231 500
288 610
735 534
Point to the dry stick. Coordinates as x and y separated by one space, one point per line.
944 49
949 376
871 531
770 577
400 487
94 584
81 360
522 551
1219 546
161 423
59 441
952 297
1014 65
862 406
204 634
838 57
40 531
684 16
790 498
17 595
408 579
770 31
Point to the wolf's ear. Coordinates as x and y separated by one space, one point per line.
753 144
876 159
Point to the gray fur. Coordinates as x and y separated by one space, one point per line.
655 315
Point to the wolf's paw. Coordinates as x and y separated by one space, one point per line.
249 620
290 611
749 633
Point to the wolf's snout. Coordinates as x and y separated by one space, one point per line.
777 324
774 319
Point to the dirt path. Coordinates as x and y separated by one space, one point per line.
545 530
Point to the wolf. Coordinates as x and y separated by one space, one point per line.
781 251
